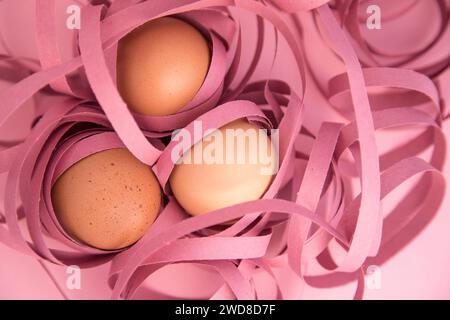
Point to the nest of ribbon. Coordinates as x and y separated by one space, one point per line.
321 220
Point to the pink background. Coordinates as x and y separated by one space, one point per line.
420 271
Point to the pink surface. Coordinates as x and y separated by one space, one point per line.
419 271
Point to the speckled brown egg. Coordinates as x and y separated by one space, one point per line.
107 200
161 65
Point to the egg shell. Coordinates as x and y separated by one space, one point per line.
203 187
161 65
107 200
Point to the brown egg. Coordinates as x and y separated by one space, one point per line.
107 200
217 181
161 65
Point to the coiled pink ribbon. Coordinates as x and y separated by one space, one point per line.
309 212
